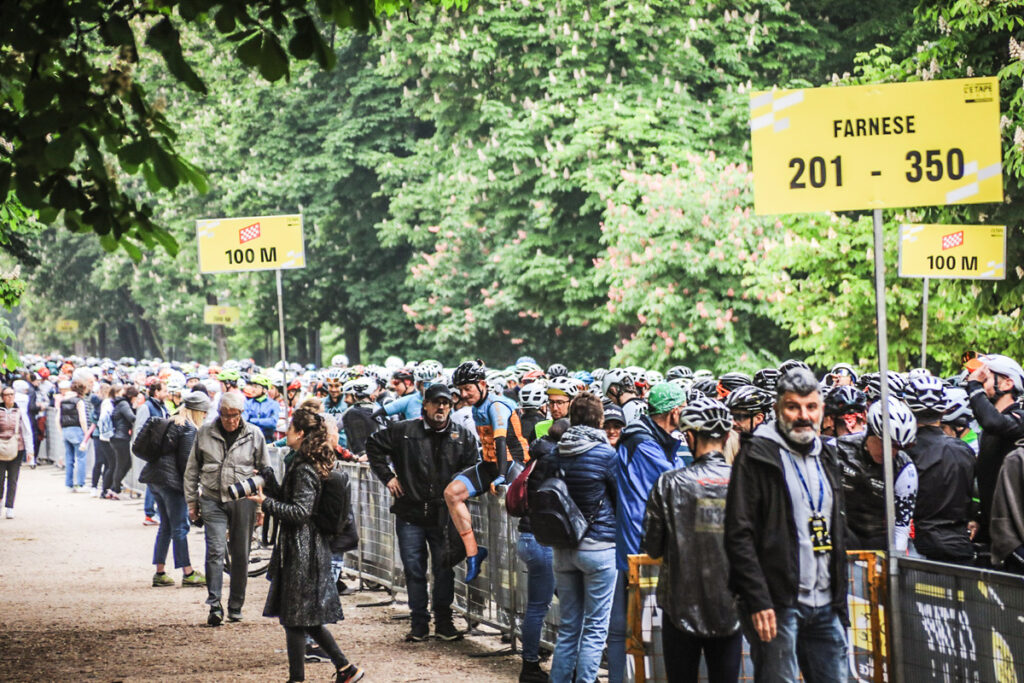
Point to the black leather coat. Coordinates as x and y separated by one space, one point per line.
302 587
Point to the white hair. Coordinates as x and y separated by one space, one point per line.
232 400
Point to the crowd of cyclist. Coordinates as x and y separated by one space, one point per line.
629 435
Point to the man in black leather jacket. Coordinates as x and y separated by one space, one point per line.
425 453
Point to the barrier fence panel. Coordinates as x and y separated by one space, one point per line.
865 635
960 623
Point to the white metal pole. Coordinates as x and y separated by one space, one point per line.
924 324
280 329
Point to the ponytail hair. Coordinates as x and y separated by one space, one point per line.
314 440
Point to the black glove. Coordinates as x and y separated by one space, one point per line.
270 485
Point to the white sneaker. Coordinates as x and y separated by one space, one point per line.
9 513
94 492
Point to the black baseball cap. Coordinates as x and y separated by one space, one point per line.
436 392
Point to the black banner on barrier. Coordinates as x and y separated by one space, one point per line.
959 628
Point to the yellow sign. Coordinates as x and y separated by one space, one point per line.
221 315
67 326
876 146
973 252
258 243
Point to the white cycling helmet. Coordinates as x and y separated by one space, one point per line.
533 395
427 371
392 363
570 386
360 387
1007 367
618 377
902 423
339 361
925 394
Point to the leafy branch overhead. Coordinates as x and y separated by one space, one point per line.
71 110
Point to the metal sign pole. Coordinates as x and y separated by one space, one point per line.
892 616
924 324
280 329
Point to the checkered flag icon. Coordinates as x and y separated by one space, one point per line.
953 240
248 233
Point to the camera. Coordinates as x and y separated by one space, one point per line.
245 487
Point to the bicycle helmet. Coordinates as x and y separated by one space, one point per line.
703 374
339 361
925 394
229 376
706 386
639 375
918 372
598 374
706 416
654 377
393 363
335 374
845 400
361 387
404 375
871 384
767 379
844 369
584 377
731 381
902 423
469 372
749 399
261 380
557 370
565 385
617 378
533 395
526 359
792 364
1007 367
958 408
427 371
532 376
678 372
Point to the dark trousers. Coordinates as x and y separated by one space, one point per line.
234 518
413 542
9 472
104 461
295 639
682 655
122 463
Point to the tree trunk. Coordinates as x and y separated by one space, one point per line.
102 335
313 332
219 338
353 332
301 344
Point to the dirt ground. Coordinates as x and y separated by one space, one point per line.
76 604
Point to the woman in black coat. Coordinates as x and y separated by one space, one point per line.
303 594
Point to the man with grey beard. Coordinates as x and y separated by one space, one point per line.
784 538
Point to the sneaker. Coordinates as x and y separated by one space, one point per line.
162 580
446 630
193 579
532 673
149 521
350 674
234 615
315 653
473 564
418 634
345 589
216 617
9 513
71 489
94 492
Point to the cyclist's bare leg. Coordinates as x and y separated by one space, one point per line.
455 496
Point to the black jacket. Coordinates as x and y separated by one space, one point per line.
424 461
169 469
529 420
123 418
359 423
538 449
945 472
760 532
999 433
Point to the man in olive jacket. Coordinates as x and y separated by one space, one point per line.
426 453
784 537
225 451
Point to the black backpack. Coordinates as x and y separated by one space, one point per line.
148 445
555 519
333 513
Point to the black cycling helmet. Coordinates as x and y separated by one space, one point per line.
678 372
749 399
731 381
871 384
707 416
404 374
792 364
844 400
469 372
707 386
926 395
557 370
767 379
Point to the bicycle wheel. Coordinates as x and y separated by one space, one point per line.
259 555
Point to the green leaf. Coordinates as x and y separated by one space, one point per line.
115 31
133 251
301 44
133 153
109 243
5 180
273 60
225 19
163 166
60 151
166 40
249 50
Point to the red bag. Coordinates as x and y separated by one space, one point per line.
515 496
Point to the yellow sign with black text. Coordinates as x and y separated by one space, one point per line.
929 143
67 326
966 252
256 243
221 315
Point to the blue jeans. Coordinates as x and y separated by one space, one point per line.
586 580
74 457
617 631
413 542
173 526
149 506
811 638
540 587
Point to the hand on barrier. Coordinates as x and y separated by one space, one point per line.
764 624
395 487
498 486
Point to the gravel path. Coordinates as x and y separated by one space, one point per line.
76 604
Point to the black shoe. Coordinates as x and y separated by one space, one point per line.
216 617
314 653
418 634
344 589
446 630
532 673
350 674
234 615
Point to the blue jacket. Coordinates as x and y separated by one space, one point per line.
588 462
263 412
646 451
409 406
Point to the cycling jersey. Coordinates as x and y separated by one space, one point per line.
409 406
634 409
496 417
336 409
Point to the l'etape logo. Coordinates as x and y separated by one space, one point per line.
948 241
248 233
